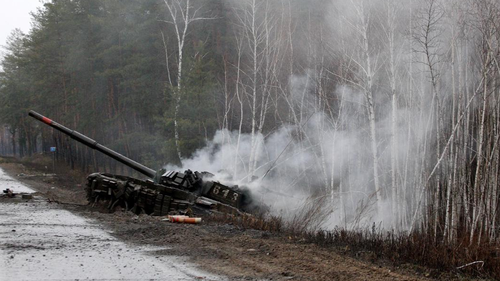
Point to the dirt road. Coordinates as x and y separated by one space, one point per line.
41 241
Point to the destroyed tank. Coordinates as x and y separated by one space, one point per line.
164 192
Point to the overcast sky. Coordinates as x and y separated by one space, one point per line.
15 14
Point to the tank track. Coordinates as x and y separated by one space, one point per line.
144 196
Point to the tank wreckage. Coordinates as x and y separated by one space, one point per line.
164 192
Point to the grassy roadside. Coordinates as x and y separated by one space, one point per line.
418 251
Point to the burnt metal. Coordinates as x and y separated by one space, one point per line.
165 192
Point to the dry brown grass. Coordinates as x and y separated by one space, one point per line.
311 216
265 223
418 248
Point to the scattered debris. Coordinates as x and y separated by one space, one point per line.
183 219
9 193
471 263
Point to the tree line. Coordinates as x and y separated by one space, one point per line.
391 105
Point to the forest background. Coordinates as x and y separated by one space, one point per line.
385 111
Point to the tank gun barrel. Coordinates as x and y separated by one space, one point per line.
94 145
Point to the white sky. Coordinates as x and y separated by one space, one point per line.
15 14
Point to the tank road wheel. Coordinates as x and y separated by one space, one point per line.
95 201
137 210
88 194
111 203
116 202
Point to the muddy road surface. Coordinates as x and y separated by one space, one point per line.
41 241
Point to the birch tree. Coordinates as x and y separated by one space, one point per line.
258 24
390 29
427 34
486 25
366 63
182 15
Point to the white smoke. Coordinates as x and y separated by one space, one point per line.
327 151
316 158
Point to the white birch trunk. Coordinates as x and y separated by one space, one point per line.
181 27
